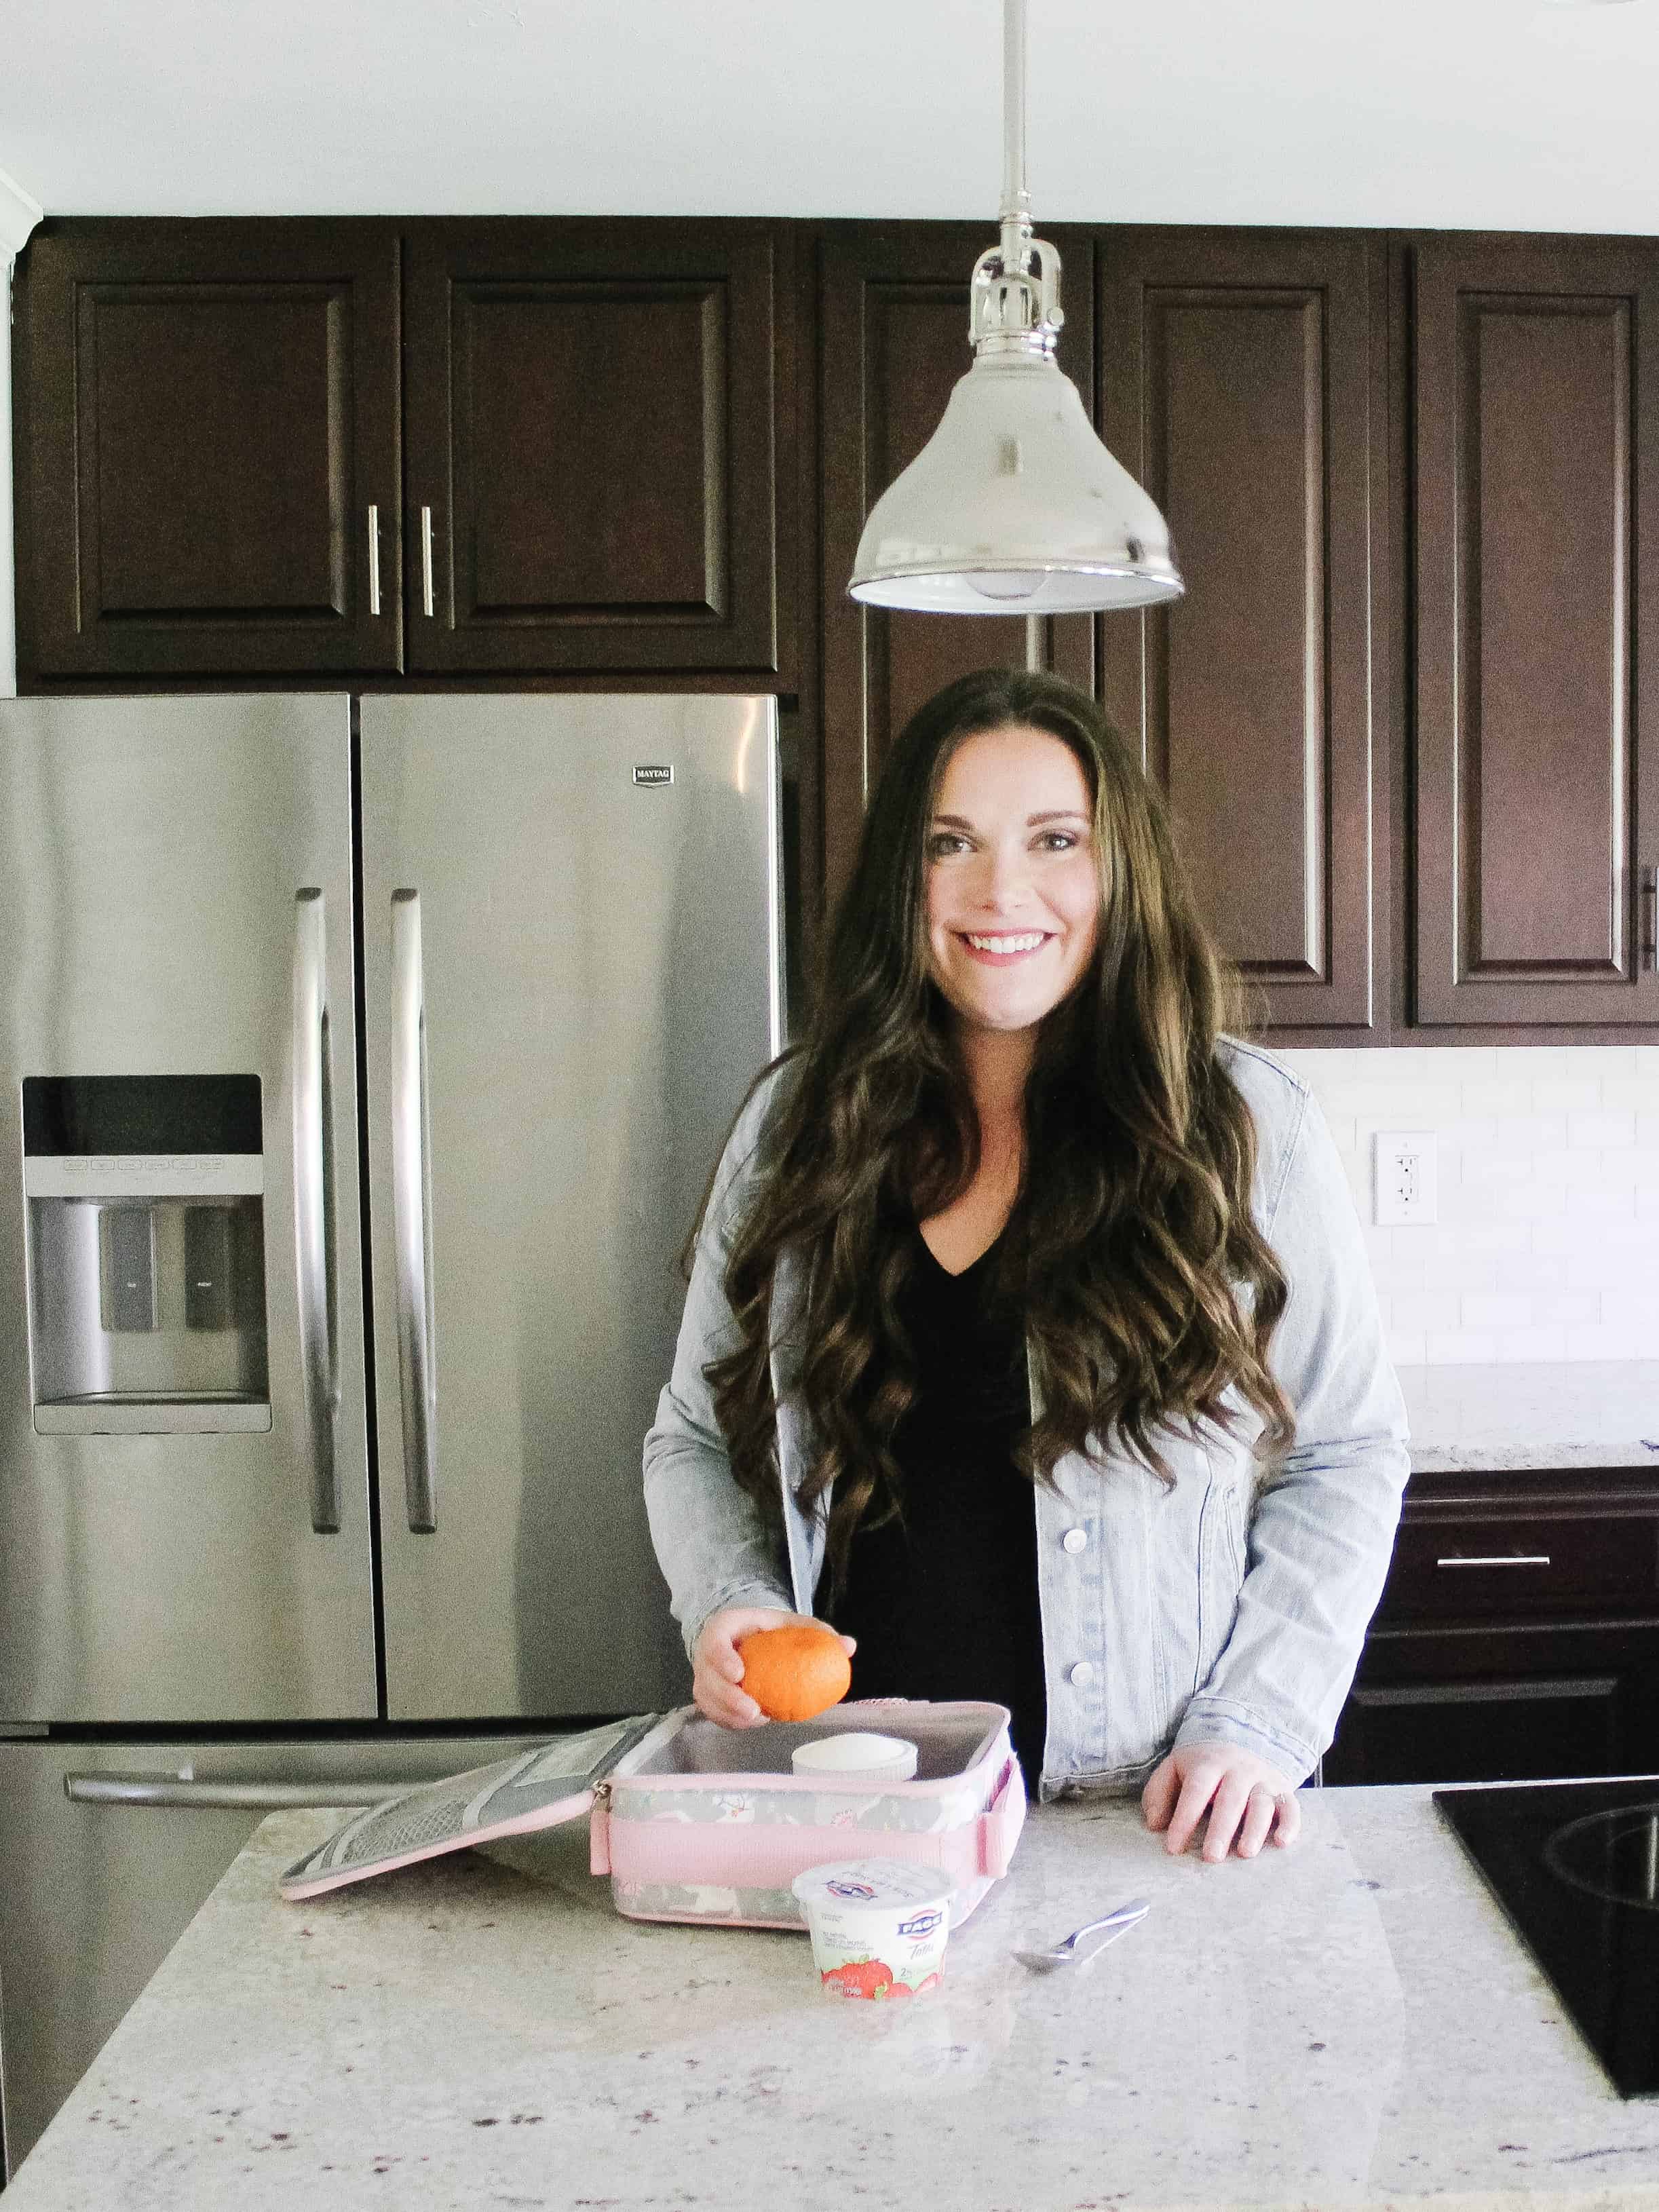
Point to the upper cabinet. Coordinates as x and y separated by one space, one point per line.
589 428
1407 714
893 303
207 438
1536 390
1236 384
245 455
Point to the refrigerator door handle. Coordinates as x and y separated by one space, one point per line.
276 1794
409 1174
311 1226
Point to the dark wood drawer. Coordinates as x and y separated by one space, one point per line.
1485 1567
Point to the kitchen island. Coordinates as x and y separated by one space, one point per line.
1348 2023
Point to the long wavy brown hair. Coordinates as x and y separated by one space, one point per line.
1146 1290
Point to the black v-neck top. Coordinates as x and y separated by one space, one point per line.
944 1600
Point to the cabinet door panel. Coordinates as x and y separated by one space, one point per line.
1235 384
1537 467
590 426
211 413
1528 1730
895 341
1498 1563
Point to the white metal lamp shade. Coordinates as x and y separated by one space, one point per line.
1014 506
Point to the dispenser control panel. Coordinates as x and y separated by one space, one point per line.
146 1253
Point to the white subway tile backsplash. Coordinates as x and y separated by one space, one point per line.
1563 1309
1531 1132
1612 1267
1480 1166
1612 1340
1548 1243
1496 1098
1535 1342
1635 1094
1463 1347
1493 1236
1601 1128
1566 1094
1426 1310
1531 1202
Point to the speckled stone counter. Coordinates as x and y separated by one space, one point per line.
1581 1414
1346 2024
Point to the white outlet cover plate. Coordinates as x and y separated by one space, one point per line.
1391 1208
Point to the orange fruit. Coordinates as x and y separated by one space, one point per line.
795 1671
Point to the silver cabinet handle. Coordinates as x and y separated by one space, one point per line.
1499 1560
1650 918
273 1795
318 1382
427 603
409 1175
375 560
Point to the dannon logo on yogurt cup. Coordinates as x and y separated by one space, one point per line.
921 1923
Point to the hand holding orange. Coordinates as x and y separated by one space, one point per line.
794 1671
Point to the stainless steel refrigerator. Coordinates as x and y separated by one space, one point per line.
361 1067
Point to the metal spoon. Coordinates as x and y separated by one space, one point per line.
1066 1954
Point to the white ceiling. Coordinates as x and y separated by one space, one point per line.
1512 115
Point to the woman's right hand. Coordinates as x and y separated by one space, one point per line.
717 1668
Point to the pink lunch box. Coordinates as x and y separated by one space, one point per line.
685 1834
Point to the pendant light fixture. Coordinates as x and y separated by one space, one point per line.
1014 506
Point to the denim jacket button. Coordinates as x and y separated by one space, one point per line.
1081 1673
1075 1540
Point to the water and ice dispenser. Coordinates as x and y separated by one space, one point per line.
146 1253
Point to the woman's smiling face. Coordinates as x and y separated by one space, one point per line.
1013 881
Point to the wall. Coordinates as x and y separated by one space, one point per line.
1546 1242
18 213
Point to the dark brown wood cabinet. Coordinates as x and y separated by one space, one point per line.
1407 714
893 306
1240 384
589 421
1518 1634
207 423
460 448
1535 463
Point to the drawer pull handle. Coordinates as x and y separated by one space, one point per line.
1499 1560
427 604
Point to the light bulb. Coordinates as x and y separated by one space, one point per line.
1006 583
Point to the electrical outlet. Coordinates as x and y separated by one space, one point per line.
1407 1177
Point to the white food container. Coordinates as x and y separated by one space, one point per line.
857 1756
878 1926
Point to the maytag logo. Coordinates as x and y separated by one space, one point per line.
652 772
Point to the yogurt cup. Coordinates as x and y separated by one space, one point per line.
878 1926
855 1756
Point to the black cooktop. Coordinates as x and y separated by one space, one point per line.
1574 1866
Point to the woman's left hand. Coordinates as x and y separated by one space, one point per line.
1249 1800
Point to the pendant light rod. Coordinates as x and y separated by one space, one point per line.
1016 199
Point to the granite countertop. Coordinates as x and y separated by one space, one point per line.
1348 2023
1572 1413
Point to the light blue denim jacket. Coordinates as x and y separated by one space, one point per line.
1224 1609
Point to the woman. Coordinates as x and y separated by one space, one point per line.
1030 1333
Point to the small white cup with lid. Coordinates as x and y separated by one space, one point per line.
878 1926
854 1756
